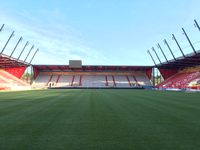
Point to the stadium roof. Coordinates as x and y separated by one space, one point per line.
8 62
189 60
90 68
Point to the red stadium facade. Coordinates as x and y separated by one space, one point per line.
184 72
11 71
181 73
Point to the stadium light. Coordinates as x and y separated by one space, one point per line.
16 46
174 38
12 34
189 40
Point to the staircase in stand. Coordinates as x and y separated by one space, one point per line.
113 77
129 82
58 79
72 80
136 81
106 78
80 80
49 80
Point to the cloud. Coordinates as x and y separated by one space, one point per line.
58 42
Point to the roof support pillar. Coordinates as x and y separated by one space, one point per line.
189 40
174 38
156 54
162 51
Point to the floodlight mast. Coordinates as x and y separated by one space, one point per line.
151 57
162 52
156 54
23 50
189 40
16 46
12 34
153 79
165 41
28 53
174 38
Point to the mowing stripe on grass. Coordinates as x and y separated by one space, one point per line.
99 120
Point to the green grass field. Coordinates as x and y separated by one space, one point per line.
99 120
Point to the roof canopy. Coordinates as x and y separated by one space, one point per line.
10 62
90 68
189 60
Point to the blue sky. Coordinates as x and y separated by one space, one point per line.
99 32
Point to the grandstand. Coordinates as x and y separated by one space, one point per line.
64 76
179 73
182 73
11 70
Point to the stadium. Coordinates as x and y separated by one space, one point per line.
180 73
76 106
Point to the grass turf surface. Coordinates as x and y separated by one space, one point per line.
99 120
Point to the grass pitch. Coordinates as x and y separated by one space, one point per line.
99 120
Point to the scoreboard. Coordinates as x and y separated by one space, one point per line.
75 64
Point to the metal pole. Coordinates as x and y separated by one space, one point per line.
7 42
28 53
16 46
196 24
165 41
174 38
34 55
156 54
23 50
32 74
2 27
162 52
154 77
151 57
160 77
189 41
